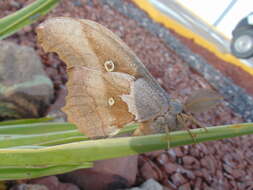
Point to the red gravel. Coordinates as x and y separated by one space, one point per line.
225 164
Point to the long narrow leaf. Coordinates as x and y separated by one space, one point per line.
35 128
63 141
25 121
12 23
28 173
46 134
115 147
7 141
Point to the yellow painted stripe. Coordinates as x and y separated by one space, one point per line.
158 16
201 19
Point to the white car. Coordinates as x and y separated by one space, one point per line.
242 41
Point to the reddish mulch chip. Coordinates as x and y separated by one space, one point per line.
225 164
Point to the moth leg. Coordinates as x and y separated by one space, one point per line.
144 129
181 120
70 68
195 121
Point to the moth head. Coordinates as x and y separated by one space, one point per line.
175 107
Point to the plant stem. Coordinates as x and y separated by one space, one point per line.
93 150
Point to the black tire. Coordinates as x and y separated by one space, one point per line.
242 44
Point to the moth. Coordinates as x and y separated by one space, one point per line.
108 86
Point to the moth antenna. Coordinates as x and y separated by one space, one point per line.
70 68
181 120
195 121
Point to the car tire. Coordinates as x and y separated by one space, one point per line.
242 44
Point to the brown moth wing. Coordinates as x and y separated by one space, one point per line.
86 44
109 46
96 111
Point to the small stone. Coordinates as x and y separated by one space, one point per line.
27 29
150 170
77 3
67 186
171 167
170 184
151 184
172 155
52 183
206 187
162 159
241 185
29 187
191 162
117 173
15 4
154 154
233 184
236 173
208 163
228 159
202 148
179 152
186 186
194 152
178 179
167 188
189 174
198 173
228 169
197 185
228 176
134 188
206 175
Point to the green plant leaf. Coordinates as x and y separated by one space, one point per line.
12 23
93 150
25 121
16 162
7 141
35 128
29 173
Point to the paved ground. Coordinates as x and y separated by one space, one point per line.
197 25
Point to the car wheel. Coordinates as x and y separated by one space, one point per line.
242 44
